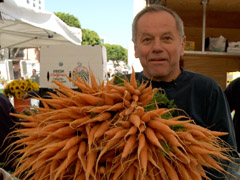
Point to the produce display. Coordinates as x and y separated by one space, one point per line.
113 131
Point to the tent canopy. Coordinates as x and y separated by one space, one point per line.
23 26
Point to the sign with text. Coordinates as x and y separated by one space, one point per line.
59 61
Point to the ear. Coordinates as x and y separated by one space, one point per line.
183 44
135 52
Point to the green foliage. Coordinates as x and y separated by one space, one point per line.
178 127
69 19
90 37
116 52
160 98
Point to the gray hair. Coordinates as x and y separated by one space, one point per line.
157 8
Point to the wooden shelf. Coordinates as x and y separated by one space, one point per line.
210 53
217 17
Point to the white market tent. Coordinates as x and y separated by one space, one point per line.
23 26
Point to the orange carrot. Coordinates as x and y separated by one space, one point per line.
170 122
99 118
131 89
144 159
79 122
123 123
116 107
172 139
154 113
91 135
133 81
120 89
118 171
172 174
77 169
139 110
93 82
131 172
71 156
212 163
151 136
160 127
193 172
107 98
181 155
112 142
80 84
131 109
132 131
72 142
102 128
111 132
129 145
127 95
142 128
142 86
183 172
63 132
91 159
90 99
135 119
81 154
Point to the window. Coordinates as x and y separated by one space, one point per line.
28 1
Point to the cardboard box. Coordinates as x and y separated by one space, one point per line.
58 60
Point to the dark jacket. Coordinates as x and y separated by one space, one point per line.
203 100
7 124
233 95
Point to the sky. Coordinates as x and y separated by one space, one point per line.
110 19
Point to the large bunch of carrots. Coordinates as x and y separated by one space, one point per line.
104 132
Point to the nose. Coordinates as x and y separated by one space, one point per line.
157 46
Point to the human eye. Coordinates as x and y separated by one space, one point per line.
146 39
167 38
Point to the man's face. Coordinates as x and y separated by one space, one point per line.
159 46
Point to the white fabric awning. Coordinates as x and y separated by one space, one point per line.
23 26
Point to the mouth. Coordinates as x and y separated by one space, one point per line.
157 59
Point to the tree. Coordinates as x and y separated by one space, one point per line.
116 52
69 19
90 37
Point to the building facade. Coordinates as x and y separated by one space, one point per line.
37 4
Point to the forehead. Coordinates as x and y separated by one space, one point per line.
156 20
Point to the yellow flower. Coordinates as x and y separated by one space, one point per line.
29 88
29 81
35 86
18 94
11 87
17 88
23 85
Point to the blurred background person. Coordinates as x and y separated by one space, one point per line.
35 76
